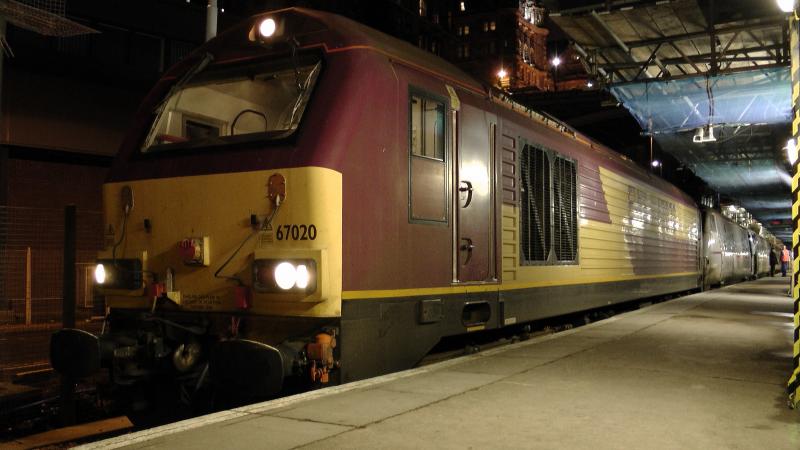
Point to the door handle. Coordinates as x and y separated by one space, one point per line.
468 246
466 187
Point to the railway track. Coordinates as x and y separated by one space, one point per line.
40 431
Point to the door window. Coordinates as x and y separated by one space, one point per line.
428 170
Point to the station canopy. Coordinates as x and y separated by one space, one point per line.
747 111
753 97
679 66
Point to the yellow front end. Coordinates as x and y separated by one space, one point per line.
227 217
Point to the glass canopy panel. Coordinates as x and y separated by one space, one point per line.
760 96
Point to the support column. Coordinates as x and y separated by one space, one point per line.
68 310
211 19
2 56
793 387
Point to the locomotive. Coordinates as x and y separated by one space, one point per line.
304 200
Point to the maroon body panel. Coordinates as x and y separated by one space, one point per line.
357 123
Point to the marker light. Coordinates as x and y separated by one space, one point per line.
786 5
100 274
285 275
303 276
267 27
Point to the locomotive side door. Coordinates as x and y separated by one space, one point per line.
474 240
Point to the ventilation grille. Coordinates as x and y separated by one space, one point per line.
536 205
565 226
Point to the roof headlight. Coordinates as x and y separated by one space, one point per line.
267 27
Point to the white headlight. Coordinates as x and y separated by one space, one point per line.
100 274
285 275
267 27
303 276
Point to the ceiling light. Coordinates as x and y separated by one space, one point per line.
786 5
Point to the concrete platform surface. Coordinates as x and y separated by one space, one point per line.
705 371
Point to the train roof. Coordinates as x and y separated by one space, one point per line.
337 33
346 34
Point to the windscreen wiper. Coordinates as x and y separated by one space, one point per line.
197 68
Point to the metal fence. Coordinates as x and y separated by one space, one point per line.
31 281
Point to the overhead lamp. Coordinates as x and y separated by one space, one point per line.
791 151
267 27
704 134
786 6
556 61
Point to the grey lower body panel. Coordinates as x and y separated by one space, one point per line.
386 335
539 303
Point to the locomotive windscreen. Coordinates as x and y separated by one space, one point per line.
218 106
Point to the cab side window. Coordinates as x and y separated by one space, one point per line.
427 166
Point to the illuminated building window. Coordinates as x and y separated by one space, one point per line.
485 26
466 30
493 25
423 9
462 6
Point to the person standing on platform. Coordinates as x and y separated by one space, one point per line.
785 257
773 261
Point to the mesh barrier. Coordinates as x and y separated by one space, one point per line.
760 96
42 16
31 276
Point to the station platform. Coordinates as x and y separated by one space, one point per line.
703 371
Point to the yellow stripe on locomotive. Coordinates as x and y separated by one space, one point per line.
228 212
